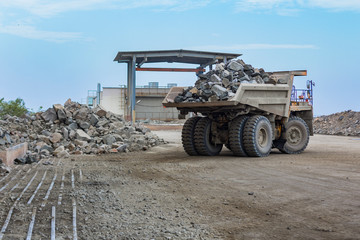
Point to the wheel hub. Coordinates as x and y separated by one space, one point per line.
262 137
294 135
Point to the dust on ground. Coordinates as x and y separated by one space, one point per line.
165 194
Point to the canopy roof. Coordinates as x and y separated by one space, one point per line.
179 56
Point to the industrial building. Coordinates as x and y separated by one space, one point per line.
148 101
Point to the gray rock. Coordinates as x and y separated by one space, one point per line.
215 78
46 133
100 111
235 66
80 134
225 74
94 119
58 107
84 125
73 126
58 150
225 82
63 154
72 134
109 139
220 91
47 148
81 114
49 115
220 67
244 78
55 137
188 95
65 133
122 148
61 115
103 123
8 138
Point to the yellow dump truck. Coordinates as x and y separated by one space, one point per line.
258 118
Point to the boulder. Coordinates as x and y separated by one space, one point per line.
58 107
55 137
109 139
49 115
100 111
235 66
61 115
94 119
81 135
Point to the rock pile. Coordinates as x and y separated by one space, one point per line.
74 129
223 82
343 123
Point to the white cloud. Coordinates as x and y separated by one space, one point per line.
340 5
255 46
289 6
29 10
33 33
48 8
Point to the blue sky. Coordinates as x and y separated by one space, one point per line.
54 50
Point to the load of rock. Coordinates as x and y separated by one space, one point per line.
223 82
74 129
343 123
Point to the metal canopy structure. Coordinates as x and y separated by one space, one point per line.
135 59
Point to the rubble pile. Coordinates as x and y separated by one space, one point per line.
343 123
223 82
74 129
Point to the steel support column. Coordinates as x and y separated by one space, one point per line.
133 89
128 93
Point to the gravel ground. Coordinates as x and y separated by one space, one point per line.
165 194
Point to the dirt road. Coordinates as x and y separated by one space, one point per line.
165 194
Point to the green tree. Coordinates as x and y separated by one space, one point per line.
14 107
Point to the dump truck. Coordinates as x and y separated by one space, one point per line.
258 118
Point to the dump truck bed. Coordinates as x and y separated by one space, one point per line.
264 97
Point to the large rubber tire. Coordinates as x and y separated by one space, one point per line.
236 138
258 136
203 144
187 136
297 136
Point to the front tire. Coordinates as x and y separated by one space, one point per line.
258 136
297 136
203 142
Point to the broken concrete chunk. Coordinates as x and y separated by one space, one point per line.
94 119
194 90
220 67
55 137
58 107
49 115
235 66
215 78
225 82
80 134
100 112
61 115
244 78
220 91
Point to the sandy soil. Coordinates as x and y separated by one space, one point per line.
165 194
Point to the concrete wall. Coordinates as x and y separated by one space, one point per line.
149 107
113 100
